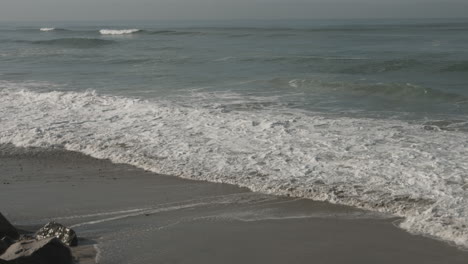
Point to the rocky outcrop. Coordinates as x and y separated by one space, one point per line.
3 247
48 246
45 251
64 234
6 229
5 243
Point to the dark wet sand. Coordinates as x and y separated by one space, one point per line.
128 215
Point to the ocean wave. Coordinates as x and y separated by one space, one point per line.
382 66
349 28
90 31
55 30
404 91
383 165
457 67
350 65
74 42
46 29
300 59
240 35
118 31
233 31
173 32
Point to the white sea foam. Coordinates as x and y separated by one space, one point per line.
47 29
98 257
384 165
118 31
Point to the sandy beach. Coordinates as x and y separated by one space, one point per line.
126 215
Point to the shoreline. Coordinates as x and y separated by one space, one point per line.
136 216
377 164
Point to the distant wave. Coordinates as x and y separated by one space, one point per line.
118 31
350 65
406 91
128 31
129 61
240 35
382 66
173 32
363 65
390 166
75 42
47 29
162 32
457 67
280 31
52 29
233 31
115 31
299 59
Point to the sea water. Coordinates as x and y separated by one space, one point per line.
365 113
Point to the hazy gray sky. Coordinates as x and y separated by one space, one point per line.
30 10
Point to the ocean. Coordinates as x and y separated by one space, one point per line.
367 113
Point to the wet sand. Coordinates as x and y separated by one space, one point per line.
126 215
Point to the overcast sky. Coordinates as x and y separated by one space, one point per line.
53 10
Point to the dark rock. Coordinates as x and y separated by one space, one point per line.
63 233
6 229
5 243
3 247
8 241
45 251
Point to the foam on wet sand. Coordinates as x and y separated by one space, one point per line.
131 216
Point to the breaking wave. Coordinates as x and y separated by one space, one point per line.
236 31
52 29
47 29
118 31
383 165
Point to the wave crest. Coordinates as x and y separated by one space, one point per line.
47 29
118 31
